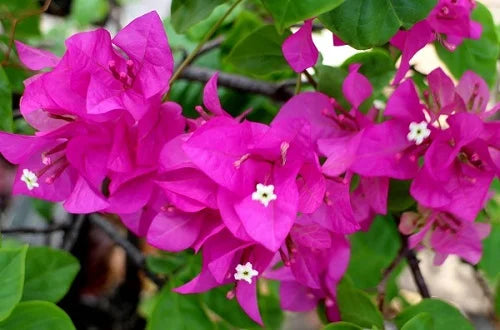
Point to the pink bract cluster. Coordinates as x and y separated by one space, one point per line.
259 201
449 22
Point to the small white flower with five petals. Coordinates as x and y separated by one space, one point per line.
245 272
264 194
30 179
418 132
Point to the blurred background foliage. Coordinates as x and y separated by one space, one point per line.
89 276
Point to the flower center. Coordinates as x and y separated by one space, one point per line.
418 132
126 78
264 194
245 272
30 179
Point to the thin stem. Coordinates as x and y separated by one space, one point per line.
381 287
298 86
133 253
279 91
35 230
487 292
310 79
74 231
15 21
194 53
417 274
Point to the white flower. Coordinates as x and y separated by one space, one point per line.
30 179
264 194
245 272
418 132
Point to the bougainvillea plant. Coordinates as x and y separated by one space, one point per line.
282 194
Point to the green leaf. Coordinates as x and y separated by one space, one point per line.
259 54
330 80
186 13
497 299
37 315
5 102
86 12
11 278
399 196
182 312
366 23
27 27
229 310
199 30
443 315
489 261
376 65
372 252
49 273
43 208
341 326
356 306
288 12
422 321
245 23
269 305
480 55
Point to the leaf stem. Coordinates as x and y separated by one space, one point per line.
381 287
417 274
310 79
195 52
298 85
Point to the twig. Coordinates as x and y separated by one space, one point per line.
277 91
298 86
310 79
73 232
15 21
133 253
207 36
485 287
386 274
35 230
417 274
209 46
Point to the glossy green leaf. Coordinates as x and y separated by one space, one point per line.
372 252
259 54
37 315
422 321
182 312
443 315
356 307
186 13
5 102
480 55
367 23
229 310
342 326
288 12
86 12
199 30
330 80
26 28
11 278
489 261
49 273
399 196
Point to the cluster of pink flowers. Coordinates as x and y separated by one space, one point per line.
273 201
449 23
